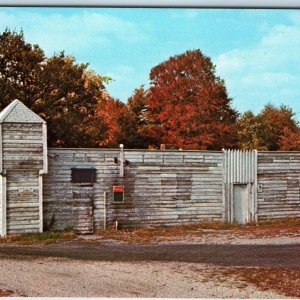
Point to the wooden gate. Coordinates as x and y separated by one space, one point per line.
240 203
239 186
83 200
23 205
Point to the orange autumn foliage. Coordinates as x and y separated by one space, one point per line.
188 105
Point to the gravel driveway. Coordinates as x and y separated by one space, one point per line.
61 277
108 268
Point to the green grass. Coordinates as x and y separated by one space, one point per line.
47 237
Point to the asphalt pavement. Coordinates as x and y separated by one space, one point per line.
278 256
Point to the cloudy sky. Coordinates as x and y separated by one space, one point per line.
256 52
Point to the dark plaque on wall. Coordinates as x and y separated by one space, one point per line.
83 175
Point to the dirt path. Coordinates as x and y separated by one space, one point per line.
61 277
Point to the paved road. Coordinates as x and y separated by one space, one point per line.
281 256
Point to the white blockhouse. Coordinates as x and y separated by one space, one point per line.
23 161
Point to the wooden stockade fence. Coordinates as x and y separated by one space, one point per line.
89 189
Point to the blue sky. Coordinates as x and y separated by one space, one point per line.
256 52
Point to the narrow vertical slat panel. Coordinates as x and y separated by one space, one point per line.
241 167
245 167
231 166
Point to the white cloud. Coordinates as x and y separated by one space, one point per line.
122 74
77 31
270 68
189 13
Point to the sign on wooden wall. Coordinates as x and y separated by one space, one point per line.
118 193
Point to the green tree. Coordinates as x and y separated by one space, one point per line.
62 92
274 128
20 65
254 132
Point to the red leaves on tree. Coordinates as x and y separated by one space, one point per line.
115 115
188 105
289 140
284 127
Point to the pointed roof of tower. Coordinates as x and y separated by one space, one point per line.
17 112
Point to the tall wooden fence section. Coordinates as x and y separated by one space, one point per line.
160 188
278 191
90 189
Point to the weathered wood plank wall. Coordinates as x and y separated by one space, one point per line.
76 205
22 154
22 201
278 192
160 188
22 146
168 188
1 204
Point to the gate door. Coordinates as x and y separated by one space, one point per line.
240 203
23 213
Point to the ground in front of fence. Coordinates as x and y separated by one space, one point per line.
184 261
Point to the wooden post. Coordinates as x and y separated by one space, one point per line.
255 188
45 149
1 150
3 208
104 209
224 174
121 160
41 201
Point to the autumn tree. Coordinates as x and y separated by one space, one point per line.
281 120
137 106
61 91
118 122
254 132
20 64
289 140
188 105
274 128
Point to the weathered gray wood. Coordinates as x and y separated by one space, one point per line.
22 143
161 187
278 185
22 195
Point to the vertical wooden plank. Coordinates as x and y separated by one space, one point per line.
45 148
245 167
4 227
241 170
121 160
1 150
248 166
104 209
231 202
255 217
224 174
41 202
231 166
